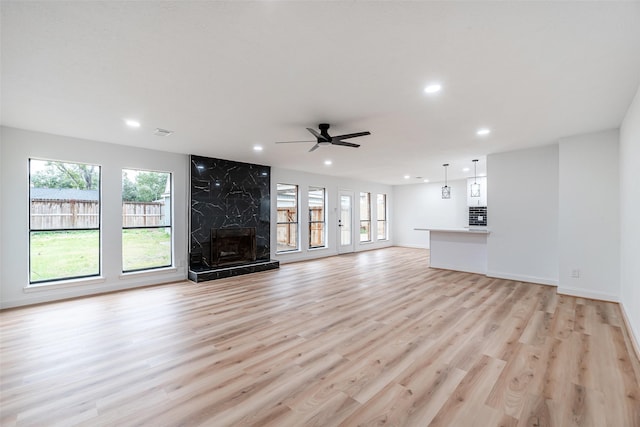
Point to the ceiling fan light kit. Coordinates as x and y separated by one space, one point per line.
324 139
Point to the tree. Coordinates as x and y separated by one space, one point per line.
146 187
151 185
67 175
129 189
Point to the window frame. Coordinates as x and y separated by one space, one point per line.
383 220
150 227
296 221
365 219
33 231
324 217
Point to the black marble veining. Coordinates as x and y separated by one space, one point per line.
228 194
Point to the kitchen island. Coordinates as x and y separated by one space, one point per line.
460 249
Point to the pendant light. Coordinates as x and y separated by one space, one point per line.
446 190
475 187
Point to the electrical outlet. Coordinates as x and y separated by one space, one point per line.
575 273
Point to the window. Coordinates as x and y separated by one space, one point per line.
64 220
316 217
365 217
146 220
381 203
287 228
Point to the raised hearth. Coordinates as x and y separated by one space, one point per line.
204 273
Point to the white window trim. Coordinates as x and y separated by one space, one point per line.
61 284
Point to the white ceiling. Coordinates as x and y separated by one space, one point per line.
227 75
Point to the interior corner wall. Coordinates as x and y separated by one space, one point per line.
422 206
332 186
629 211
589 207
523 215
20 145
2 207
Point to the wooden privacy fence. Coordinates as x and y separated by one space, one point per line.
61 214
287 226
142 214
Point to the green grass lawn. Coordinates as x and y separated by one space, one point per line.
64 254
67 254
145 249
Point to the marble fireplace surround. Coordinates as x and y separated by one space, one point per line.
228 195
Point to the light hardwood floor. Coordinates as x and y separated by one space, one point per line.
373 338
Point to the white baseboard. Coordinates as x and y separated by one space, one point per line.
44 295
402 245
523 278
574 292
635 342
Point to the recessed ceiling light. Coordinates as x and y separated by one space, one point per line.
257 148
433 88
407 176
426 180
466 170
328 162
483 131
132 123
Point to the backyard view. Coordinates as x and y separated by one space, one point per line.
61 254
64 223
64 220
145 248
146 220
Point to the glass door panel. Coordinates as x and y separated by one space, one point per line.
345 222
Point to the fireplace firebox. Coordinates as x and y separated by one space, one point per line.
233 246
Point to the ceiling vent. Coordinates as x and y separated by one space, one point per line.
162 132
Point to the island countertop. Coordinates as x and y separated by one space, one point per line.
477 230
458 248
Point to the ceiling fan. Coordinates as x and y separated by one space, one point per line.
323 138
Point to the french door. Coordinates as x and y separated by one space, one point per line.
346 229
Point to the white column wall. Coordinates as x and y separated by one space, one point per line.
629 217
522 207
589 226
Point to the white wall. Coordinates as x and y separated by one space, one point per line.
629 216
588 221
2 208
523 215
17 147
332 185
422 206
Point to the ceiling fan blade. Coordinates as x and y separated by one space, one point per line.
317 135
346 144
350 135
315 147
291 142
